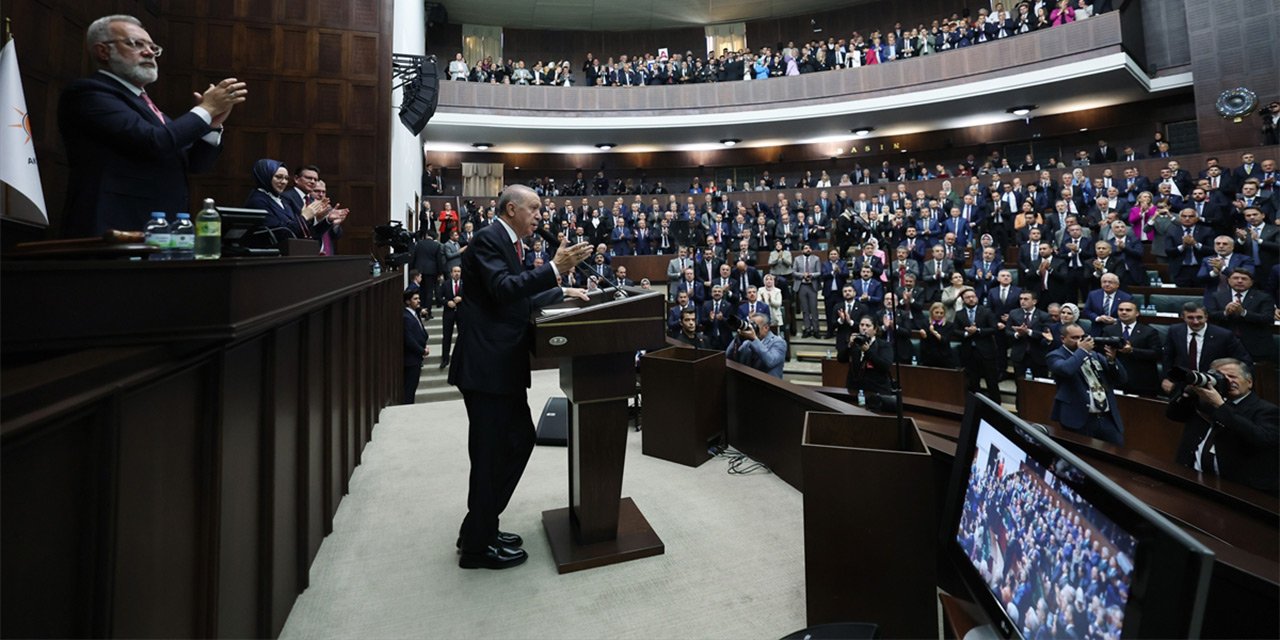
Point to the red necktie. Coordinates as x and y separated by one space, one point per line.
154 109
1193 354
519 250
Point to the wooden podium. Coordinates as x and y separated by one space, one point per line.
596 343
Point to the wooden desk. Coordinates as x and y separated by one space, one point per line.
1145 427
932 389
176 437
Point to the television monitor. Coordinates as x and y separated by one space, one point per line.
1050 547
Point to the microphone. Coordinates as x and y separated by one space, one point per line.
551 241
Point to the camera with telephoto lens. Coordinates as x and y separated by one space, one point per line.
737 324
1108 341
1205 379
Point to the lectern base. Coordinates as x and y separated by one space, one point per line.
636 539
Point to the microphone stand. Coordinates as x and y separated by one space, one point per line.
550 240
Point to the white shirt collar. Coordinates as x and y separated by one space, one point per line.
511 233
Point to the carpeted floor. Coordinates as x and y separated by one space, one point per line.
733 567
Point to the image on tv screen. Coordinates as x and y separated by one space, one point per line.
1057 566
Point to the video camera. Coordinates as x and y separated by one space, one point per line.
398 239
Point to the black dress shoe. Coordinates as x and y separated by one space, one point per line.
444 364
493 557
503 538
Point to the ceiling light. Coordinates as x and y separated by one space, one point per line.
1083 129
814 25
862 132
1022 110
729 142
606 145
482 145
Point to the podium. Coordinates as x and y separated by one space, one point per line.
596 342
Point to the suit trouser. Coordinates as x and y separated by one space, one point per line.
1102 427
499 443
430 291
978 368
447 324
808 297
412 376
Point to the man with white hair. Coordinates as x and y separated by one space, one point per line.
126 157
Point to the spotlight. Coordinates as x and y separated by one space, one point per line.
605 146
863 132
1022 110
729 142
814 25
483 146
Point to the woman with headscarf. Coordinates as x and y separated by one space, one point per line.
271 178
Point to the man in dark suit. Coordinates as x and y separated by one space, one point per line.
1003 296
1100 304
716 314
846 312
1246 312
450 298
415 346
975 328
1025 329
1085 401
428 259
125 157
491 368
1234 437
1259 239
1186 245
1195 343
1142 350
1104 153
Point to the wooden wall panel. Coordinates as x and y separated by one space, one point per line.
267 43
285 537
240 556
159 559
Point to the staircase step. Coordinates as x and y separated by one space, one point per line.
441 394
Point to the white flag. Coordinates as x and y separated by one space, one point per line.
18 166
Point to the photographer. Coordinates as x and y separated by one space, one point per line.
756 347
869 360
1236 436
1085 402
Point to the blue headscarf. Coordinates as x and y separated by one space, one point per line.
263 170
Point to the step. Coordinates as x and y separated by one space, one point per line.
440 394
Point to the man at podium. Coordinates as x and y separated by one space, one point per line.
490 366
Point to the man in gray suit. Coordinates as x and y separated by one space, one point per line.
675 270
807 269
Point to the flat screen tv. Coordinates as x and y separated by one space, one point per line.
1051 548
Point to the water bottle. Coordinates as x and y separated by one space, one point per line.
913 361
376 269
862 398
158 236
828 354
208 232
1028 375
183 237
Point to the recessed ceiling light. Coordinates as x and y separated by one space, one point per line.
1084 128
482 145
863 131
606 145
1022 110
729 142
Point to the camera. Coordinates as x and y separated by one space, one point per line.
1205 379
857 340
1108 341
737 324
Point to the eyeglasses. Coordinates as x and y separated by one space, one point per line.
138 45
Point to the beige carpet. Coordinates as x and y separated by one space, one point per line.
733 567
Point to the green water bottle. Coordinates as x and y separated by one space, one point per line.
208 232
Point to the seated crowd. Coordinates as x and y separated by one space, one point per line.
877 47
970 168
986 279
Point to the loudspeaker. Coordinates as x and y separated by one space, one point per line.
553 425
420 96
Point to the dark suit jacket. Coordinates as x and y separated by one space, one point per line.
428 258
123 164
446 294
869 370
1173 243
1217 343
1245 438
981 344
415 339
1140 364
1071 403
1037 321
1009 304
1093 305
492 354
1254 328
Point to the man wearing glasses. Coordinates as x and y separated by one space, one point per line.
126 157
